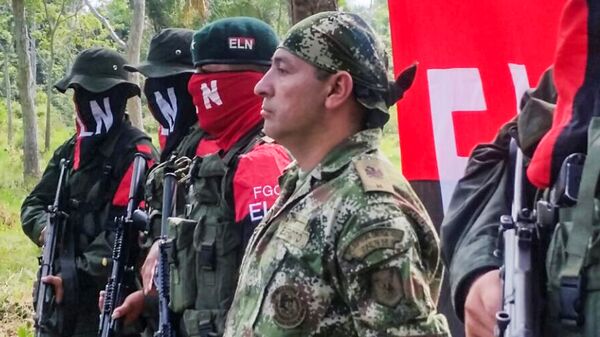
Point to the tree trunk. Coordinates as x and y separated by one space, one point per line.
49 94
8 92
32 51
25 84
8 95
134 45
300 9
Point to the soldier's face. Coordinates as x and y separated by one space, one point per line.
293 98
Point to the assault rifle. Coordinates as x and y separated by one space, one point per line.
123 253
524 238
55 223
518 240
164 246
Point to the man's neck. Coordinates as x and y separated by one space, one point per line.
314 148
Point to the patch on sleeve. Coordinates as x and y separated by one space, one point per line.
373 175
294 230
365 244
290 309
386 287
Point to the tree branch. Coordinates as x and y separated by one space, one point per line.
106 24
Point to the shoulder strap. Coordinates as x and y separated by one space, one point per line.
231 160
189 143
581 232
117 163
243 145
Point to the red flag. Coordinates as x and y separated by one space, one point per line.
476 58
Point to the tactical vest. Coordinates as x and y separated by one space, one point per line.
90 204
573 258
89 192
189 143
207 250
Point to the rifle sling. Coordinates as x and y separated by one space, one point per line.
581 233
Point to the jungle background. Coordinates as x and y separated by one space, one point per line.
39 40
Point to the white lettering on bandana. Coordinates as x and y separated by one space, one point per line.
102 118
210 94
168 110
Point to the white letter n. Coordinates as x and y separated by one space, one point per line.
210 94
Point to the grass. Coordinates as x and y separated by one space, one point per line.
18 255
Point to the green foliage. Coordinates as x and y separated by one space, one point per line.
119 12
163 13
25 331
17 275
174 13
273 12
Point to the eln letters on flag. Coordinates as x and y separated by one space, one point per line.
476 59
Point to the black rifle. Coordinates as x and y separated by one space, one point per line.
55 223
123 253
517 246
164 246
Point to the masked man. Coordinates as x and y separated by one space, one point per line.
233 179
96 189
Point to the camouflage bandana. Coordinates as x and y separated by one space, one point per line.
334 41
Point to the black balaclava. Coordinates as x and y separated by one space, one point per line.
172 106
97 115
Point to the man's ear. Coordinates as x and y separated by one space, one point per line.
340 89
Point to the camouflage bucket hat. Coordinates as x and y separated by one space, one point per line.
235 40
339 41
97 70
169 54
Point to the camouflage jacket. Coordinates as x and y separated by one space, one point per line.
346 251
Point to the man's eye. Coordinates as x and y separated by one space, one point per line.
282 71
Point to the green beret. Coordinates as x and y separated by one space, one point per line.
169 54
97 70
236 40
335 41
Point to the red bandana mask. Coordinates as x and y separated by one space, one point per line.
226 105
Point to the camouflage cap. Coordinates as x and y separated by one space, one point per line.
97 70
235 40
169 54
334 41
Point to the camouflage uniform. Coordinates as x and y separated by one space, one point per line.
348 249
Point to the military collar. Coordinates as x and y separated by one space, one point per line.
334 161
342 154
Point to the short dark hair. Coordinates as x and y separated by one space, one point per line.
322 75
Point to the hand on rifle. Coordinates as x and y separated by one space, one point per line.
182 168
131 309
42 238
481 305
57 283
149 268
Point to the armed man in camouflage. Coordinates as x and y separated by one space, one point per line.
347 249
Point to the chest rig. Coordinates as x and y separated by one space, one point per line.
92 187
208 253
